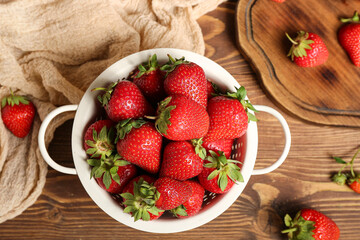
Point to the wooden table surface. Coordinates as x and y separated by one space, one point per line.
65 211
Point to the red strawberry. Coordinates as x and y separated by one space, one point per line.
124 100
279 1
139 143
18 114
185 78
219 173
112 173
349 38
229 116
99 139
308 50
180 161
212 89
150 79
139 198
173 193
193 205
180 118
311 224
223 145
351 179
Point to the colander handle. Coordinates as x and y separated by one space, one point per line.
286 150
41 138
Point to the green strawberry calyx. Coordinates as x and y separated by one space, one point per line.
179 211
148 67
125 126
224 168
102 143
354 18
300 44
173 63
12 100
299 228
105 98
199 149
143 201
107 167
163 118
240 95
342 178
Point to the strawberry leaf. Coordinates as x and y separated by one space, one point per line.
125 126
222 181
339 160
163 119
179 211
107 179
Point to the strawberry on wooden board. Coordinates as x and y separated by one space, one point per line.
223 145
219 174
193 205
173 193
139 143
311 224
229 116
180 161
279 1
123 100
112 173
99 139
139 197
185 78
180 118
150 79
18 114
352 179
349 38
308 49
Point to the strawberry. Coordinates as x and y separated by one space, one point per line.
193 205
349 38
185 78
180 161
279 1
112 173
229 116
223 145
173 193
212 89
311 224
308 50
351 179
18 114
150 79
180 118
139 143
139 197
219 173
99 139
123 100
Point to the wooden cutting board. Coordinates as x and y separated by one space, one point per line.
327 94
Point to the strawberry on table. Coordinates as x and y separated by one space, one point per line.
349 38
123 100
180 118
150 79
139 197
185 78
308 49
352 179
311 224
17 113
99 139
193 205
139 143
219 174
173 193
112 173
229 116
180 161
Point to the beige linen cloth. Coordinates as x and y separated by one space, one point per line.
51 50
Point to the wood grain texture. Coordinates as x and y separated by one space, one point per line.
326 94
65 211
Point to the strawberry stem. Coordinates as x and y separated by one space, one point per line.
352 163
355 18
291 40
